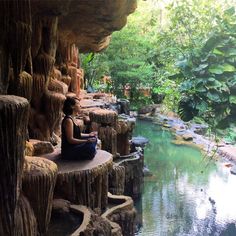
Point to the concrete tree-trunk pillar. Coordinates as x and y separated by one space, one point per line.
14 113
39 180
107 121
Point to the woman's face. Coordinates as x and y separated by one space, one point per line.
76 108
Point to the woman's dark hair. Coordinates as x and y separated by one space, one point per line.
68 105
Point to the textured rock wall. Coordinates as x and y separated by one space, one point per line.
36 33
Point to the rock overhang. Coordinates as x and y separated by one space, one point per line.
88 24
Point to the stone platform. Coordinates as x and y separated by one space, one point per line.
88 103
101 158
83 182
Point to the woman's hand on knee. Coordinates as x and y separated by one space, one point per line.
91 140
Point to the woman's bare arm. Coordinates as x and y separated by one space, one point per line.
68 125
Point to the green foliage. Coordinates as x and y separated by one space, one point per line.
209 72
127 60
95 66
182 49
169 89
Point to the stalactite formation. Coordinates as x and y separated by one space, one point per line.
53 109
73 74
66 79
38 126
43 64
25 85
20 32
57 86
56 74
13 124
39 178
39 87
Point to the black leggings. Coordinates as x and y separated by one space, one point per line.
84 151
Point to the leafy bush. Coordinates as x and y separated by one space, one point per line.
210 75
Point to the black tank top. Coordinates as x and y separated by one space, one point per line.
65 145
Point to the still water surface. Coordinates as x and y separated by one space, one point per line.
187 194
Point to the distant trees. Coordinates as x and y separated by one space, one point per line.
184 49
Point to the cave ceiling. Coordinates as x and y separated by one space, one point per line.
88 24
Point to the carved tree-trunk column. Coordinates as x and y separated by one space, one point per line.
14 112
46 105
73 74
117 180
26 221
85 182
124 129
4 55
107 131
39 180
133 175
20 32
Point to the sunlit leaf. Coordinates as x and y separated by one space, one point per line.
200 67
216 69
228 68
232 99
232 52
230 11
218 52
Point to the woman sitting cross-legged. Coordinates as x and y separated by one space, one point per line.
74 144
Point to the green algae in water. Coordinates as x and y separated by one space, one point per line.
187 194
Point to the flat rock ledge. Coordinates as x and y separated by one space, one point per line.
228 152
84 182
121 215
92 223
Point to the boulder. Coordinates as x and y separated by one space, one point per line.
187 137
37 147
148 109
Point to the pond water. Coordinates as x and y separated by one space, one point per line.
188 194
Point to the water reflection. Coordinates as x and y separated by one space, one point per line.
187 195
